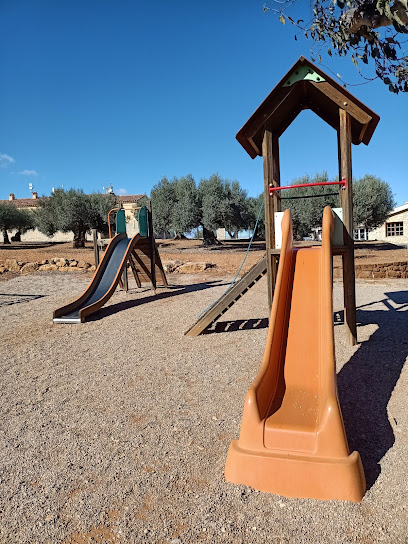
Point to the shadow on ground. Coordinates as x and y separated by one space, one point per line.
380 246
8 299
366 382
238 325
171 291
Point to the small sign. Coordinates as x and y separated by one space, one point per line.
337 236
278 229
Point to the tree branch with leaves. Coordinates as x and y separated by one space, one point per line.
364 30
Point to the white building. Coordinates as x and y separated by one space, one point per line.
395 228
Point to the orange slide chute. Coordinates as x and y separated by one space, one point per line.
292 439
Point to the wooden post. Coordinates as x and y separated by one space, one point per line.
96 247
346 202
152 245
125 278
269 215
270 153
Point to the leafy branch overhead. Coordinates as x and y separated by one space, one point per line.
363 30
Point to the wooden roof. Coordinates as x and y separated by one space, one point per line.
306 86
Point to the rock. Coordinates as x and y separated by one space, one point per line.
71 269
193 268
393 274
92 268
44 261
12 265
364 274
73 263
48 267
171 266
60 262
83 264
29 268
3 269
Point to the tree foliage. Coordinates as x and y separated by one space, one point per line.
307 203
185 213
74 211
223 204
237 213
13 218
360 29
163 197
180 206
254 205
372 201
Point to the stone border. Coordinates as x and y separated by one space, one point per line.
72 265
398 270
58 263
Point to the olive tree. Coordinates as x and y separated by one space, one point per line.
74 211
372 201
12 218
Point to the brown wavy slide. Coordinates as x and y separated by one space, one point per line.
292 439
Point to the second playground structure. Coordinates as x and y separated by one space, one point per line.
139 252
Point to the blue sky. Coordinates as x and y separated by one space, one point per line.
125 92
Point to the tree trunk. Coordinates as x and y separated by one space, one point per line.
180 237
5 237
79 240
16 237
209 238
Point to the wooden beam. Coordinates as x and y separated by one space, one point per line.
134 270
342 101
152 245
96 247
276 202
269 211
159 265
270 153
346 201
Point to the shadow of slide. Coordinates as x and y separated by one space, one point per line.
171 291
8 299
366 382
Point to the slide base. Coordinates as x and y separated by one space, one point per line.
297 475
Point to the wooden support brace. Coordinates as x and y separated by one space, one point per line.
134 270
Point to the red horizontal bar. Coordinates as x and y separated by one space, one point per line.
343 182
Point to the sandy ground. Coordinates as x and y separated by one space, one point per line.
117 430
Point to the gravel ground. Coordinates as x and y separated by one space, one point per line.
117 430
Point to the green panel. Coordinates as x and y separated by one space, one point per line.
143 223
120 221
303 73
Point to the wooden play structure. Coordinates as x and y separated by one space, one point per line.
144 260
305 86
292 440
140 253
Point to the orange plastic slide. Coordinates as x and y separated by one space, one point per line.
292 439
